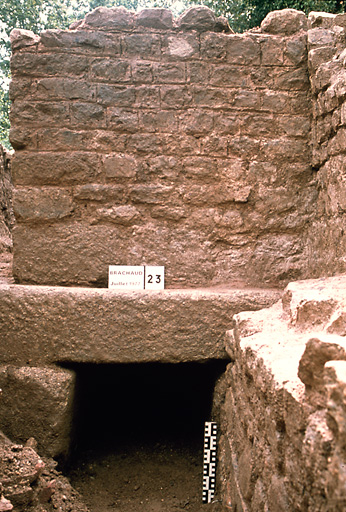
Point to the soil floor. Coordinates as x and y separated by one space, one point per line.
157 477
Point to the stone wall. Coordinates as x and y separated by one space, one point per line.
281 404
326 244
146 140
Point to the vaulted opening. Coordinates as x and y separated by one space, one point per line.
138 434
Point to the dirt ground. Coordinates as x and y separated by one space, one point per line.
160 477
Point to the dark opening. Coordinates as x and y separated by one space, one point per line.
145 415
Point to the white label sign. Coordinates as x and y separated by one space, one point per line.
126 277
139 277
154 278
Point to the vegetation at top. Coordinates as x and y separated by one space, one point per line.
37 15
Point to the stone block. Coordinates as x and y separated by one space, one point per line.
54 168
214 146
88 114
119 166
243 50
196 123
296 52
158 121
225 75
214 47
142 72
147 97
145 45
285 21
175 97
111 70
172 72
21 89
124 215
247 100
157 18
122 120
64 89
198 167
199 18
114 18
48 64
87 325
320 37
150 194
99 193
273 51
81 40
20 38
22 138
116 96
180 46
317 352
197 72
40 113
292 79
41 203
38 402
318 56
226 123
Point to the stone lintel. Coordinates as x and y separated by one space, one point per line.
41 325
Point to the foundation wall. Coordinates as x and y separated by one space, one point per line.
145 140
281 404
326 243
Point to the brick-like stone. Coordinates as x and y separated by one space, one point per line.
199 18
41 203
81 40
99 193
38 402
181 47
119 166
111 70
116 96
113 18
40 113
47 64
20 38
145 45
285 21
157 18
54 168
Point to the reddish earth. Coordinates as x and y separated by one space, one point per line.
153 478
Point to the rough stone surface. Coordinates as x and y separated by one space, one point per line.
285 21
326 242
42 325
30 483
37 402
283 439
139 141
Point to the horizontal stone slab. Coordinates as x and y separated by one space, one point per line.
42 325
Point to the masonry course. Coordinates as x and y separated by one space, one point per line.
176 124
142 139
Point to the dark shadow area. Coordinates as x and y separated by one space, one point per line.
120 404
138 435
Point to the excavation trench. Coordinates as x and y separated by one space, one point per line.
138 435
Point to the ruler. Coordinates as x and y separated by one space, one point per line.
209 461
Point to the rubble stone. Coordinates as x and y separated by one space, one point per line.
37 402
